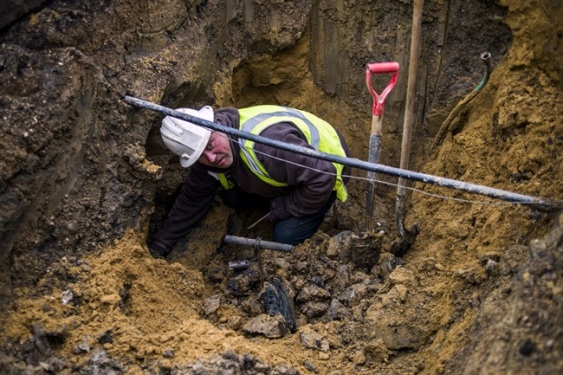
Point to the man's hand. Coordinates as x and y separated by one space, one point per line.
278 210
158 249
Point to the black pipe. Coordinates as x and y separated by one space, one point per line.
352 162
258 243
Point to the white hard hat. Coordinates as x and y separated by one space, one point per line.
185 139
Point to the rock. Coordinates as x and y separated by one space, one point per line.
252 306
269 326
277 301
342 277
352 295
363 250
66 296
313 340
337 310
403 276
385 265
314 309
242 283
40 340
56 365
366 249
83 347
312 291
230 363
491 267
211 304
339 246
310 366
101 363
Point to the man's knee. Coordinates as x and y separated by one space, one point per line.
295 230
286 234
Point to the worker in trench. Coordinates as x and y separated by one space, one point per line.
299 190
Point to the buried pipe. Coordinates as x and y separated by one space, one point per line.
356 163
446 125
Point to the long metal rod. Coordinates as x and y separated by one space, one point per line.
258 243
409 112
352 162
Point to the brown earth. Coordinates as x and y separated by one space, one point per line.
85 181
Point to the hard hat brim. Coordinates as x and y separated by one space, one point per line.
184 138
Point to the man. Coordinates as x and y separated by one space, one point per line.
299 189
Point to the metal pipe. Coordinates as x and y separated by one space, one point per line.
445 127
356 163
258 243
486 59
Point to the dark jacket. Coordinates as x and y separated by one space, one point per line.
306 193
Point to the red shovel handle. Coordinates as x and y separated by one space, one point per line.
386 67
377 68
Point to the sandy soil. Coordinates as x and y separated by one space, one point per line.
479 291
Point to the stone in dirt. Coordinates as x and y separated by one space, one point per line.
313 340
270 326
276 301
363 250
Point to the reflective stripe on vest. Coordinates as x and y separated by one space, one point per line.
225 183
318 133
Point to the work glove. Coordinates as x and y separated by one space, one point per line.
277 209
158 249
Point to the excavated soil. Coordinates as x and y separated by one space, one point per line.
85 181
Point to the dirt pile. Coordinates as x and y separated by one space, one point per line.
85 180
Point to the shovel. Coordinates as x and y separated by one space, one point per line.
376 125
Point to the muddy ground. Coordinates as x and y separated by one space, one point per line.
85 181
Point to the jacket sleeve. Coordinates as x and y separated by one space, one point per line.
311 180
193 202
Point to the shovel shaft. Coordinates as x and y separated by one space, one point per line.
377 125
374 150
373 157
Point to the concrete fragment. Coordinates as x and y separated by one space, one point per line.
312 291
314 308
270 326
313 340
337 310
211 304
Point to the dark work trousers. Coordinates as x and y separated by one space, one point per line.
292 230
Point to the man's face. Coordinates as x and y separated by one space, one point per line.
218 153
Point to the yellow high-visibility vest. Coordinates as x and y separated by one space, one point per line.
318 133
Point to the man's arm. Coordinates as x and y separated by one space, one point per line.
193 202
